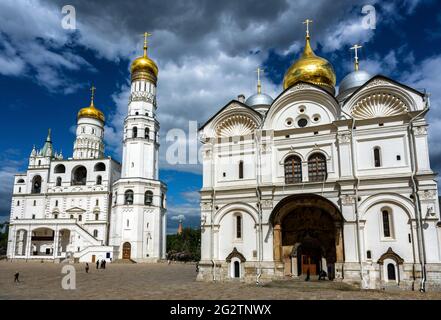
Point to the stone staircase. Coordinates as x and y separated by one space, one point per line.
124 261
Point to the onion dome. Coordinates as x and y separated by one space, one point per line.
355 79
311 69
144 68
91 111
259 99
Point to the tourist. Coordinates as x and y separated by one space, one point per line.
16 275
97 264
307 275
322 275
104 264
87 267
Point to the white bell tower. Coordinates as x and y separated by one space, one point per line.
138 227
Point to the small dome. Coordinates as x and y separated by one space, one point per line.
259 99
91 112
353 80
311 69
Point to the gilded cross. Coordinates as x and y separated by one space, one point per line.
307 22
146 35
92 89
355 48
259 86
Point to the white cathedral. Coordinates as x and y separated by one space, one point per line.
89 207
313 180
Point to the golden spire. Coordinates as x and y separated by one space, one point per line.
91 111
146 35
259 85
355 48
92 95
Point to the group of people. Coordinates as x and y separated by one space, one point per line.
99 265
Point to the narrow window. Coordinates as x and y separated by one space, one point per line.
96 216
80 218
238 227
56 203
148 198
135 132
99 180
95 233
58 181
147 133
55 216
386 224
97 202
35 203
127 222
369 254
236 269
19 189
240 169
377 157
18 203
33 216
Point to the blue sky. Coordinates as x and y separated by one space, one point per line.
206 52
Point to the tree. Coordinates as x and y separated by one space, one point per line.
185 246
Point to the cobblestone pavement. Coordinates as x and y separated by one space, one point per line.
162 281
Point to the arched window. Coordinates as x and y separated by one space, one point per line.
147 133
238 227
386 215
99 180
95 233
391 272
20 181
317 170
128 197
39 162
377 157
59 168
36 184
99 167
58 183
97 216
293 169
148 198
79 175
240 169
135 132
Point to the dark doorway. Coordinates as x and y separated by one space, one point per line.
391 272
236 269
127 248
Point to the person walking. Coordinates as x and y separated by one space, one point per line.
87 267
307 275
16 275
97 264
103 264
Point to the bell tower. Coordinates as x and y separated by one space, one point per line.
138 225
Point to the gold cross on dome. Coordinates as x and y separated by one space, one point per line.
146 35
355 48
259 86
92 89
307 22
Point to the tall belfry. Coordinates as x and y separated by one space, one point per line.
139 214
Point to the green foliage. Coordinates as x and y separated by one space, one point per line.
185 246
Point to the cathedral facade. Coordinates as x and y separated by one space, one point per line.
90 207
316 181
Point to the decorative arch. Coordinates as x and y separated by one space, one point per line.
235 254
390 254
385 199
99 167
291 153
302 92
236 207
36 184
79 175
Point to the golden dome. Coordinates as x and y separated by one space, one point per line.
91 111
144 68
312 69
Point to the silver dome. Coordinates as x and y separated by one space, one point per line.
353 80
259 99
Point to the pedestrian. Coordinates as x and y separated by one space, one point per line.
197 267
307 275
87 267
16 275
97 264
104 264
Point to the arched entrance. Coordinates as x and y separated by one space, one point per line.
307 235
127 248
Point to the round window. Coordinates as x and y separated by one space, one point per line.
316 118
288 122
302 122
302 109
